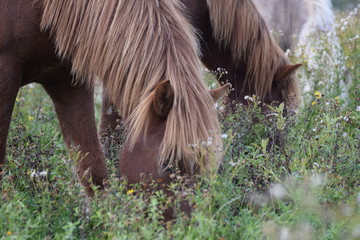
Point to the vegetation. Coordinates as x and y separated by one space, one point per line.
345 4
281 178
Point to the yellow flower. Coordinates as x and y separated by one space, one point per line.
9 233
130 191
313 103
337 98
30 118
317 95
17 99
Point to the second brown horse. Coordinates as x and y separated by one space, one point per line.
234 36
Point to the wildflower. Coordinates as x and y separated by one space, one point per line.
247 97
224 136
358 108
17 99
131 191
34 174
30 118
346 119
233 164
313 103
9 233
278 191
344 134
337 98
317 180
288 52
209 141
109 111
43 174
317 94
314 129
285 233
221 108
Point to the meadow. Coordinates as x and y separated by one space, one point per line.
295 177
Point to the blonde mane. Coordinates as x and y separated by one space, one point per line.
131 46
239 26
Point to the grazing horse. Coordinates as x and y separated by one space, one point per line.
234 36
145 53
296 20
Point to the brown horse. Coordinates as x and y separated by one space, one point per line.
145 53
235 37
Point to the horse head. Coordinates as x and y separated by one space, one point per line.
140 161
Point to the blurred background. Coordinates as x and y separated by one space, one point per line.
345 4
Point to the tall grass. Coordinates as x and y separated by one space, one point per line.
281 178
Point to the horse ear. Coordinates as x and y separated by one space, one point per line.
285 71
219 92
164 99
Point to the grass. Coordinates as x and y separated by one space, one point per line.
294 178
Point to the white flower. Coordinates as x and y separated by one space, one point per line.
247 97
284 234
278 191
224 136
346 119
233 164
314 129
43 174
317 180
209 141
109 111
33 174
358 108
344 134
221 108
288 52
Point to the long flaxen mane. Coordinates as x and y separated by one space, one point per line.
239 26
131 46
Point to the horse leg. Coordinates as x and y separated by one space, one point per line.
10 82
74 106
